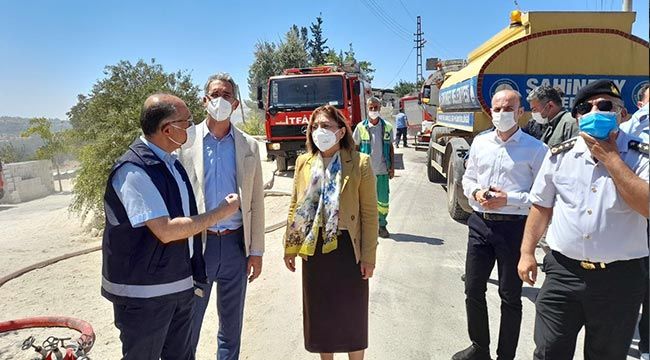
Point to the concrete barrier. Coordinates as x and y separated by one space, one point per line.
27 181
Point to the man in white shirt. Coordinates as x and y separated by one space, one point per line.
639 125
595 189
501 168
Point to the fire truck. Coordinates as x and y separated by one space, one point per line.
293 96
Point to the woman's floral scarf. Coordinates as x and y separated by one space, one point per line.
320 204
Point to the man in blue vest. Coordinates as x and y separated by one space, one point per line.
150 261
374 136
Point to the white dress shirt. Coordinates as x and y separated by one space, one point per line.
638 125
591 221
510 166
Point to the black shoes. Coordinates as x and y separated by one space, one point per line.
473 352
383 232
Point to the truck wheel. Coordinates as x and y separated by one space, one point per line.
281 163
433 174
455 210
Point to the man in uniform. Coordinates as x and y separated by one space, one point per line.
374 136
151 218
557 124
638 126
500 170
595 189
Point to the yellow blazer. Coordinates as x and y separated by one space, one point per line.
357 203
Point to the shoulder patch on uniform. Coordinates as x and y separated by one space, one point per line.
563 146
641 147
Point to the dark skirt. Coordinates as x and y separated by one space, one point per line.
334 300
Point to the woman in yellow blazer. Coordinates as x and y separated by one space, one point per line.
332 225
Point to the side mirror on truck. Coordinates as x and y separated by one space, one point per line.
260 101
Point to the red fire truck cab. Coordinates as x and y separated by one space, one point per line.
293 96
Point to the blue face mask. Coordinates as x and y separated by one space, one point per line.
599 124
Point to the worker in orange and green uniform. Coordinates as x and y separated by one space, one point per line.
374 136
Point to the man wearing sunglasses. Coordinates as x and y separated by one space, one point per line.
595 189
150 261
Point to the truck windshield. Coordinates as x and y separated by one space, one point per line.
306 92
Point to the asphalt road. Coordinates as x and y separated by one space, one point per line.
417 306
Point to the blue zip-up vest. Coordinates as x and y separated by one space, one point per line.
133 257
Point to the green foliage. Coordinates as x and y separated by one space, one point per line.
291 52
254 124
264 66
106 121
9 153
54 143
317 46
332 57
403 88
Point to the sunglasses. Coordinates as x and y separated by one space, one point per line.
603 105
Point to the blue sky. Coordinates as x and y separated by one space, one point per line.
50 51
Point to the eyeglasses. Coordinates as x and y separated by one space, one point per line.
602 105
189 122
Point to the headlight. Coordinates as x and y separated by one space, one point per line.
275 146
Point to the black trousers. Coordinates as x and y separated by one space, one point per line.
152 329
605 301
491 241
644 334
401 132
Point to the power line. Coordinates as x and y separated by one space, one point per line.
379 17
405 9
387 16
400 69
384 19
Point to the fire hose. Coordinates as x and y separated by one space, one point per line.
51 348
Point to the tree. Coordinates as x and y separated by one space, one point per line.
106 121
54 143
333 57
349 56
291 52
9 153
264 66
317 45
366 67
403 88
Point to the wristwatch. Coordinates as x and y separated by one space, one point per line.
474 193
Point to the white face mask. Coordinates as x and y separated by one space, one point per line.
503 121
190 132
373 114
324 139
219 109
539 118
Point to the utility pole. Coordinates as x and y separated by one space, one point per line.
419 45
627 5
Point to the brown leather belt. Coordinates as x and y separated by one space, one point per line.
222 232
500 217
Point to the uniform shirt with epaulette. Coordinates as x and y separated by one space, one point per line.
591 221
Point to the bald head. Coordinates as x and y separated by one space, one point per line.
159 109
506 96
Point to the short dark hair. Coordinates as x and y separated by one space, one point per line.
153 115
545 94
331 113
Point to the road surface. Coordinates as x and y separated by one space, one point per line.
417 306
